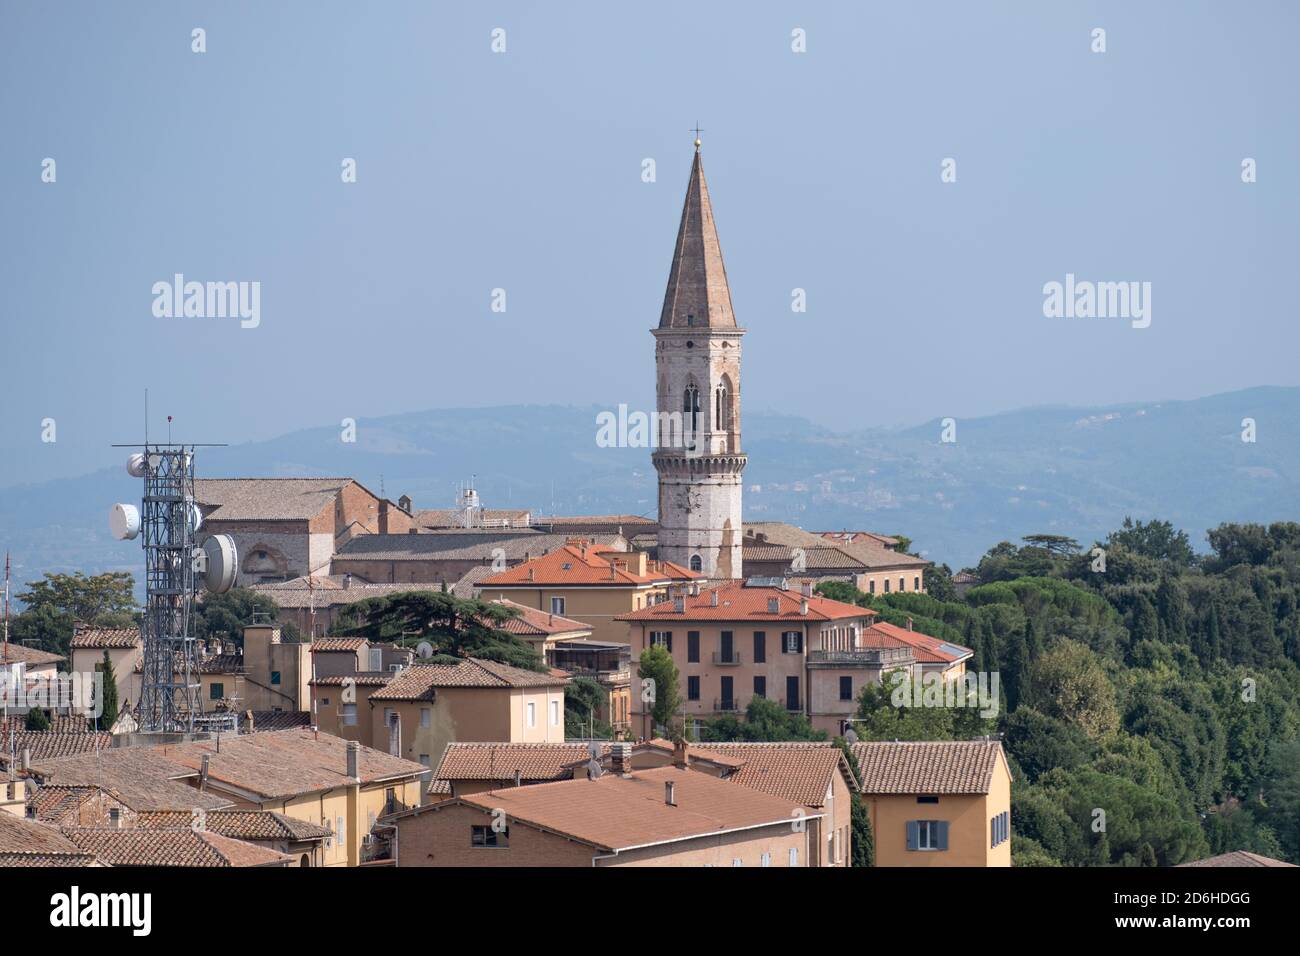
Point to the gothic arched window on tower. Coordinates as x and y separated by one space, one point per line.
721 410
696 563
691 409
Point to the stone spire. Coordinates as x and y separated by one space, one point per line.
697 296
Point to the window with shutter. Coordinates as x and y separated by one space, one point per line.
942 843
760 647
913 834
692 647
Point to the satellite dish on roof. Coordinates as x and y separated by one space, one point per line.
223 563
137 466
124 521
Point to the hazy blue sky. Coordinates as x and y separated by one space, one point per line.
522 170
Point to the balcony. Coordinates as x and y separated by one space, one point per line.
863 657
725 706
723 659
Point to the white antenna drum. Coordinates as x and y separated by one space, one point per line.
137 466
124 521
222 563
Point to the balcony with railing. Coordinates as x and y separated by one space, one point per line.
863 657
726 658
727 706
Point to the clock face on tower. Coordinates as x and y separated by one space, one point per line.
689 499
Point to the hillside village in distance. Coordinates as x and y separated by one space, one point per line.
471 686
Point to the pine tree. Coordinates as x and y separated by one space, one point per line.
36 719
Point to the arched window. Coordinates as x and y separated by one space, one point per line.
696 563
721 410
691 408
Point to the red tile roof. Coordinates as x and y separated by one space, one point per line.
535 623
419 681
1238 858
800 771
178 847
613 812
329 645
930 767
238 824
580 566
737 602
106 638
926 649
501 761
11 653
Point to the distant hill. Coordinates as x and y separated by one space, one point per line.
1074 471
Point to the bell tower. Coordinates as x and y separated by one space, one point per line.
697 368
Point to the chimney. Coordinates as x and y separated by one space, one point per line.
670 793
530 575
807 589
621 758
680 757
203 773
713 598
519 778
248 717
354 751
803 606
909 623
395 735
27 759
347 580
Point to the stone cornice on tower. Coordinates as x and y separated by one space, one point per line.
698 296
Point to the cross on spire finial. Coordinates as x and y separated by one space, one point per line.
697 132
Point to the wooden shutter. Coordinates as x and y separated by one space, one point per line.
943 834
913 834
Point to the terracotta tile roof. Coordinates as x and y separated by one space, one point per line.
256 825
930 767
57 805
18 835
419 681
468 586
534 623
798 771
59 723
46 859
330 645
363 679
266 499
614 812
569 522
11 653
106 638
178 847
856 537
501 761
517 545
49 744
737 602
455 517
577 566
866 557
284 763
1238 858
327 592
264 720
139 776
693 752
926 649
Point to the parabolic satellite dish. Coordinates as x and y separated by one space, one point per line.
223 563
137 466
124 521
